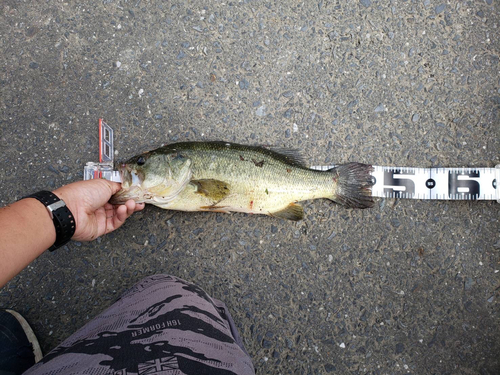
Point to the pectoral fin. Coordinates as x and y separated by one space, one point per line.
212 189
293 212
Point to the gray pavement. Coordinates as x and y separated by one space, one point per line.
408 287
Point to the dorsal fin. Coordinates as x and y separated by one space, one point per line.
292 155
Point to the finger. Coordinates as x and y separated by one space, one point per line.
114 186
113 222
100 223
98 192
101 185
123 212
110 210
109 206
120 216
130 204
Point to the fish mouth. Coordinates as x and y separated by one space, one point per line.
131 186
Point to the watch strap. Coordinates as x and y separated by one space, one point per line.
64 222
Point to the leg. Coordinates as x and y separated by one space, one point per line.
162 321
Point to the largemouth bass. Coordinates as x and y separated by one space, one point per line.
225 177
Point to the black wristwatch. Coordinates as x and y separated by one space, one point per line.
63 219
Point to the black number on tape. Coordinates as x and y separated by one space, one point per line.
454 184
430 183
389 180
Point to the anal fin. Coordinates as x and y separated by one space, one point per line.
293 212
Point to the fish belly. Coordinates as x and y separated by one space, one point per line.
189 200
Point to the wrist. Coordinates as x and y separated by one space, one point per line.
60 215
71 202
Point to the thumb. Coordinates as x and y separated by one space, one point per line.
101 191
115 186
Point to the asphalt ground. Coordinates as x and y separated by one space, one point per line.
407 287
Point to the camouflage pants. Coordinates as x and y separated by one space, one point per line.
162 325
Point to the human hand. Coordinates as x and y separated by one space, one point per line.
94 216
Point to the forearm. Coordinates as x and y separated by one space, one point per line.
26 231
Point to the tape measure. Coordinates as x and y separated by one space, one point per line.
388 182
434 183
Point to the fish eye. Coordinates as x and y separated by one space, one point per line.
141 160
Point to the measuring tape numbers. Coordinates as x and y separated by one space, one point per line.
434 183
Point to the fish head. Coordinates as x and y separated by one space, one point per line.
153 177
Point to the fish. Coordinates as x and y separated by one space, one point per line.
229 177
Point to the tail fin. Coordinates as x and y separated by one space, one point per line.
353 185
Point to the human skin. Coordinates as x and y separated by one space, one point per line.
27 230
